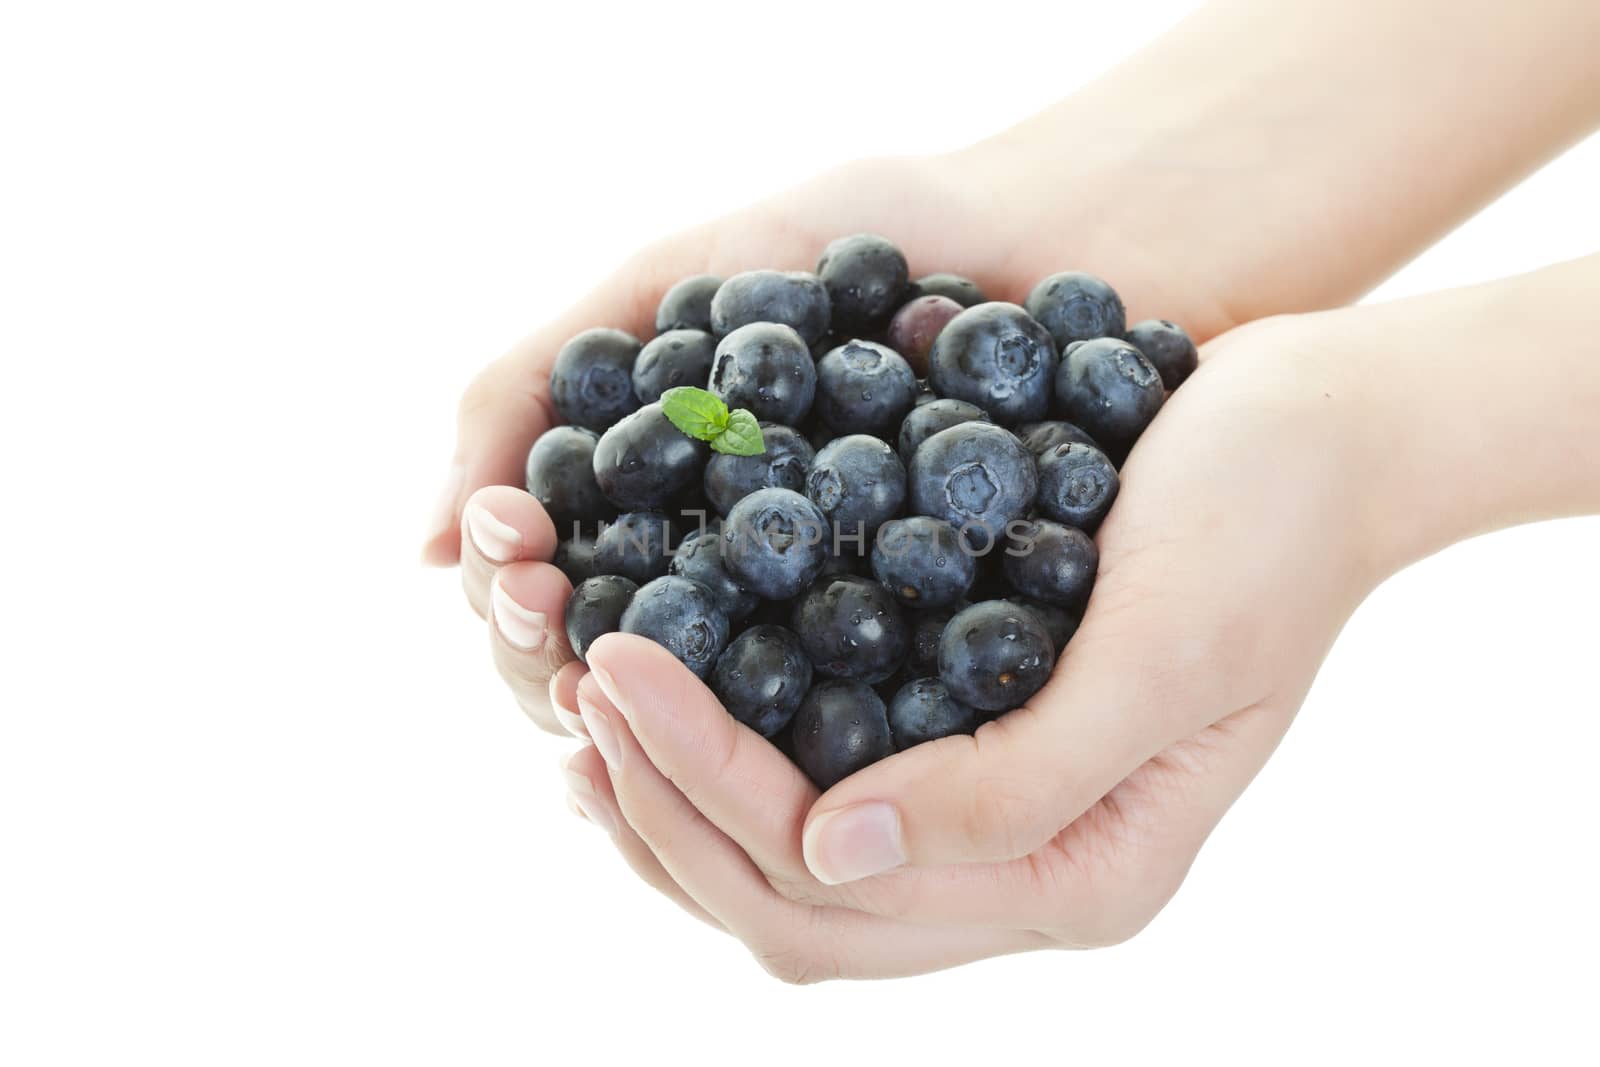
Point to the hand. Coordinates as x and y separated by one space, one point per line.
936 208
1236 551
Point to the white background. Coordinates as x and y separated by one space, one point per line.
262 798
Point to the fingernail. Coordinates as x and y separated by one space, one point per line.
595 812
855 842
443 515
600 731
496 540
567 717
608 686
522 629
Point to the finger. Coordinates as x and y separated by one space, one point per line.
508 405
527 635
750 791
589 788
799 943
564 698
500 525
1004 792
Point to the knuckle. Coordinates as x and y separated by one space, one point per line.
795 965
1004 820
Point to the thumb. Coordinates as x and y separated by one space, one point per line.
1009 789
508 405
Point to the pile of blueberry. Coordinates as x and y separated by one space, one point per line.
860 507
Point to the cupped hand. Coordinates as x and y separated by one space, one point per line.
1237 549
943 211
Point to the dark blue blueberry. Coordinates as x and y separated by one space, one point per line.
700 557
852 628
677 357
923 562
1053 563
927 627
774 543
644 461
687 305
575 558
1041 437
592 380
1168 347
866 279
1110 389
682 617
762 678
1077 307
638 545
595 609
783 465
975 476
859 483
841 728
1059 623
1077 485
560 476
924 710
963 291
995 655
767 368
793 298
863 387
995 356
927 419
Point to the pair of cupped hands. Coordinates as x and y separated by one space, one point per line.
1232 558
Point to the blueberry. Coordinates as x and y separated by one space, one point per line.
1076 307
793 298
560 476
866 278
924 710
917 325
674 358
767 368
841 728
923 562
699 556
1168 347
1041 437
1059 623
1077 485
1110 389
1053 563
995 655
963 291
927 627
774 543
687 305
575 558
644 461
975 476
638 546
852 628
863 387
927 419
595 609
783 465
762 678
592 381
995 356
681 616
859 483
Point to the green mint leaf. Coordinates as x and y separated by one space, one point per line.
696 412
742 436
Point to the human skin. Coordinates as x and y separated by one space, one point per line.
1214 179
1283 483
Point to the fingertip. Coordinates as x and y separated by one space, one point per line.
505 525
442 545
